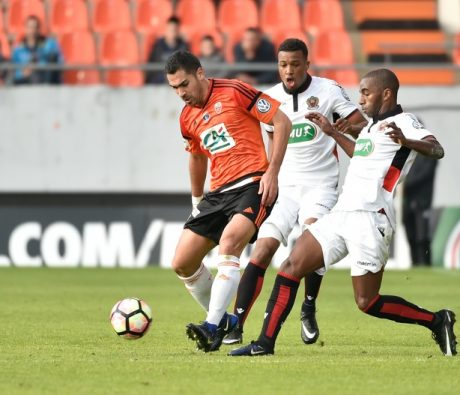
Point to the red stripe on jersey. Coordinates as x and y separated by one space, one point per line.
404 311
281 303
391 178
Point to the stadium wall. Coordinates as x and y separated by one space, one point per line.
98 176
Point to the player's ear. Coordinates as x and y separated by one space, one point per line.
387 94
307 65
200 73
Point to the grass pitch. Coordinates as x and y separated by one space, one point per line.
56 339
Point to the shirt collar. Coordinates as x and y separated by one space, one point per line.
395 111
301 88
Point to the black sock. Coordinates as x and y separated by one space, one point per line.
397 309
248 290
278 308
312 286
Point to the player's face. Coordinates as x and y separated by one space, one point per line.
371 97
292 67
188 87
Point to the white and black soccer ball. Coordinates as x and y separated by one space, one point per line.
131 318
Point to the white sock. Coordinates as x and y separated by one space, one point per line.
224 287
199 285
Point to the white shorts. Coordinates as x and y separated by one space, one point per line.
362 235
296 204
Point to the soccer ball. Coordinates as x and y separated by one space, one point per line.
131 318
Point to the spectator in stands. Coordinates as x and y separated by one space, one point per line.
163 48
3 59
211 57
254 48
417 199
35 48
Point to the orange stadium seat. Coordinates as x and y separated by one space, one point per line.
5 47
68 15
2 22
276 15
147 41
196 16
18 12
402 9
456 51
151 15
322 15
120 48
109 15
326 52
79 48
235 16
282 35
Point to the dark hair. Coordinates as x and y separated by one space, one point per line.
253 30
292 45
34 18
174 19
385 79
207 37
182 60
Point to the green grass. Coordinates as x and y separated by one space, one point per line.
56 339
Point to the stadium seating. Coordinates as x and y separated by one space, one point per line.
282 35
277 15
2 22
196 16
322 15
326 52
79 48
5 48
18 12
120 48
235 16
151 15
195 40
110 15
456 51
68 15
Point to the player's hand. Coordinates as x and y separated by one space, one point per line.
395 134
321 121
343 125
268 188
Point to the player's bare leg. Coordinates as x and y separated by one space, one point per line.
297 266
309 330
251 284
395 308
188 264
236 236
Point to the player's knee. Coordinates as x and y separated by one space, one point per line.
363 301
182 268
263 254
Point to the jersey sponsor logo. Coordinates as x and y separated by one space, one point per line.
363 147
263 105
217 139
218 107
302 132
313 103
206 117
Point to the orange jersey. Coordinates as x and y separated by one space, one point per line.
227 130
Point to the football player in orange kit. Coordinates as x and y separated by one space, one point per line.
221 122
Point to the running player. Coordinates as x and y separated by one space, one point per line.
221 122
361 224
308 177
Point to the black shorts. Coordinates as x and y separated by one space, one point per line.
218 208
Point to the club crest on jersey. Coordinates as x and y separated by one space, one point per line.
363 147
218 107
313 103
217 139
263 105
206 117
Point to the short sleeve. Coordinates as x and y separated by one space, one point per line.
412 127
190 144
341 103
258 104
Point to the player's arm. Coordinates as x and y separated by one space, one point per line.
352 125
269 182
428 146
198 167
342 140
